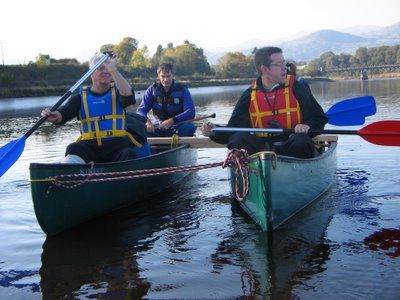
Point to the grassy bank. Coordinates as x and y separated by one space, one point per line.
40 91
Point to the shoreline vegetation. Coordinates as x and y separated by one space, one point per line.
40 91
54 77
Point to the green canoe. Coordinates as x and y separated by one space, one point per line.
281 186
64 196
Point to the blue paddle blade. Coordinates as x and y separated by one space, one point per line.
10 153
351 111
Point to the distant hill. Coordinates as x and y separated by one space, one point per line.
386 33
312 45
316 43
360 30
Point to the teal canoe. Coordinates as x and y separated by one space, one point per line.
280 186
64 196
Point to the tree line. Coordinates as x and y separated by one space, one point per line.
190 62
375 56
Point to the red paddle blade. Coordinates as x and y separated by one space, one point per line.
385 133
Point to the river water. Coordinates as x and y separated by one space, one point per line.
193 241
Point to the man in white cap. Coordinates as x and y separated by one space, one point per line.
101 112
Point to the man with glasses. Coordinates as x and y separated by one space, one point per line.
101 112
274 100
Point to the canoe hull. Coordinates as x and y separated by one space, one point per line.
280 186
58 209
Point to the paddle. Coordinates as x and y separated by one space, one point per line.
351 111
198 142
10 152
385 133
197 119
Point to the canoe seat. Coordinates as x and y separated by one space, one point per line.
325 138
322 142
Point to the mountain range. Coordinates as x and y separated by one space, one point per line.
311 45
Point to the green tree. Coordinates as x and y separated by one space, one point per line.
398 57
354 62
107 47
42 59
140 59
391 55
187 58
344 60
330 59
377 55
235 65
362 56
157 56
125 49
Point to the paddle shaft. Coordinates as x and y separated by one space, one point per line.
194 142
197 119
280 130
384 133
68 93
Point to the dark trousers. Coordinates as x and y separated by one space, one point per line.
183 129
112 149
298 145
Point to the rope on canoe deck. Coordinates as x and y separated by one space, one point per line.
236 159
239 161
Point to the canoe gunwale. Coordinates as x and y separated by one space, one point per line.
38 166
265 155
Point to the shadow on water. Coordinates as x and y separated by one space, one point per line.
99 258
93 262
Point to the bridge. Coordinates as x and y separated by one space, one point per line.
361 70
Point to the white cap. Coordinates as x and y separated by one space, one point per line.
95 58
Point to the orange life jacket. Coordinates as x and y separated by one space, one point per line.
280 106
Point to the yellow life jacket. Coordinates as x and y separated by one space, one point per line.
280 106
102 117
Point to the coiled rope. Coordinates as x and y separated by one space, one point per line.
238 160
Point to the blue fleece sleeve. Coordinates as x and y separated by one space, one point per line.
147 103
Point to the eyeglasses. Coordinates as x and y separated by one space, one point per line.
282 64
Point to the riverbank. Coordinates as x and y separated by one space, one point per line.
370 76
40 91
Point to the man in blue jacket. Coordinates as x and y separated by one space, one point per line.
171 104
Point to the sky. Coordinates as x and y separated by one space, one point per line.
78 28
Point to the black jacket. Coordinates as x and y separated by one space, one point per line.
312 112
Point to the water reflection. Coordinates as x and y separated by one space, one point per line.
269 261
100 259
103 258
90 266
